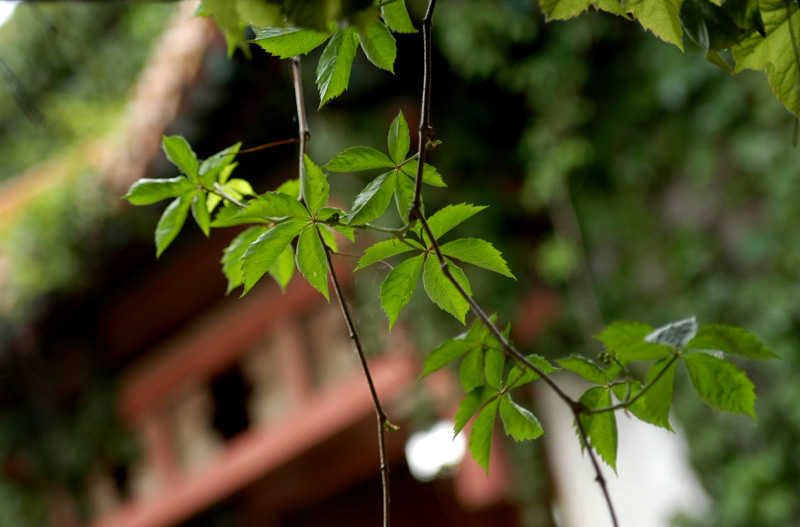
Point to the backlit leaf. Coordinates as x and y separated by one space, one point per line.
519 422
372 202
357 158
263 252
662 17
379 45
273 205
442 292
398 286
523 375
147 191
171 221
211 168
721 384
231 256
200 212
181 155
287 42
333 69
472 367
311 260
395 14
450 216
381 251
314 184
564 9
477 252
494 363
399 139
403 195
447 352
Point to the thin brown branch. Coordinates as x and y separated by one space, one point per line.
268 145
302 123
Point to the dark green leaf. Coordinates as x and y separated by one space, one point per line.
200 212
447 352
372 202
314 184
472 367
263 252
450 216
709 25
729 339
601 429
147 191
333 70
272 205
584 367
519 422
181 155
287 42
626 339
283 268
399 139
398 286
379 45
721 384
442 292
231 256
357 158
477 252
171 222
311 260
473 402
395 14
480 440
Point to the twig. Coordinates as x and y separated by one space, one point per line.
302 124
268 145
628 402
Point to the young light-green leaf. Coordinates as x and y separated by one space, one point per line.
358 158
273 205
519 422
450 216
263 252
442 292
626 339
287 42
601 429
372 202
732 340
283 268
379 45
181 155
565 9
200 212
333 69
395 14
171 221
314 184
584 367
311 260
477 252
662 17
398 286
399 139
231 255
480 440
721 384
148 191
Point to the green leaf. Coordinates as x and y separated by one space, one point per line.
381 251
273 205
565 9
721 384
181 155
450 216
399 139
519 376
395 14
200 212
379 45
626 339
472 368
732 340
283 268
709 25
211 168
314 184
333 70
480 440
398 286
662 17
584 367
447 352
171 221
601 429
519 422
477 252
290 187
311 259
494 364
228 216
263 252
442 292
658 398
430 175
358 158
231 255
147 191
473 402
372 202
403 195
774 52
329 238
287 42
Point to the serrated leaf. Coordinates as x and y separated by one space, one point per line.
565 9
519 376
231 255
584 367
398 286
480 440
379 45
403 195
519 422
399 139
442 292
658 398
477 252
314 185
601 429
171 221
263 252
627 340
273 205
447 352
662 17
470 405
228 216
148 191
200 212
450 216
494 364
358 158
774 52
287 42
732 340
240 186
311 259
329 238
181 155
333 69
381 251
720 384
283 268
430 175
472 368
395 14
211 168
372 202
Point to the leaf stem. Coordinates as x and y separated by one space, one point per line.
628 402
219 191
302 122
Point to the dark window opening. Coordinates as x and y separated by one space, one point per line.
230 391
